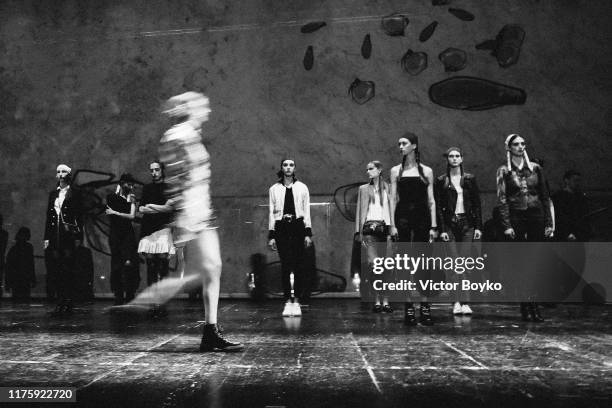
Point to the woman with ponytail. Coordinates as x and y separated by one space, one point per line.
414 208
459 213
373 221
524 204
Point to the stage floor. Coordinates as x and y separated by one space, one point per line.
338 354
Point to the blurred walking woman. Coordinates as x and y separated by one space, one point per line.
373 222
414 207
524 204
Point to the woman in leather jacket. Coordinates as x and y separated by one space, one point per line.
459 212
524 204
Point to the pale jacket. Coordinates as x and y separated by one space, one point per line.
363 202
301 201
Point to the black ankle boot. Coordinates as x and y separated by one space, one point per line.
409 318
525 312
425 311
534 312
212 340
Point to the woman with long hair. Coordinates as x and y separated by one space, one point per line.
373 221
459 213
523 200
414 208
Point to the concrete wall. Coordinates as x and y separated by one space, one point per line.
81 82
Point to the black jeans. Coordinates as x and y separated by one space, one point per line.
289 236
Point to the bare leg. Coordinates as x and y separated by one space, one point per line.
205 258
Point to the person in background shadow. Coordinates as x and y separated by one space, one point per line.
3 245
20 277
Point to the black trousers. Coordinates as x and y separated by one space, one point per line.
289 236
125 276
59 259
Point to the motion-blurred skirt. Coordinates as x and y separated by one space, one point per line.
159 242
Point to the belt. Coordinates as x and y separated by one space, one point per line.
290 218
459 217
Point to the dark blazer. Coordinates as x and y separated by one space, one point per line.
446 201
72 213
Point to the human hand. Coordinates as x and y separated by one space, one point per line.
272 244
571 237
110 211
45 244
549 232
477 234
444 236
433 234
307 242
510 233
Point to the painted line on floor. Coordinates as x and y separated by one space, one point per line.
464 354
139 355
366 365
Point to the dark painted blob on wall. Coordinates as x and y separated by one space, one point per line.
81 82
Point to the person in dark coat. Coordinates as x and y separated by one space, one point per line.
63 233
121 209
20 277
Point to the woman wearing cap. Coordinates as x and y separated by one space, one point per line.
414 208
373 220
524 203
459 212
121 209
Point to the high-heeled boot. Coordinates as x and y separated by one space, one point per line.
534 312
525 312
425 311
409 317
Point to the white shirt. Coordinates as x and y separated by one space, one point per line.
375 210
59 200
459 208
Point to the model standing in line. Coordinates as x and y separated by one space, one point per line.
155 236
63 233
121 209
459 213
373 221
290 232
414 208
524 204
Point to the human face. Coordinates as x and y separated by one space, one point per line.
454 158
373 171
517 146
127 187
288 168
61 174
156 172
405 146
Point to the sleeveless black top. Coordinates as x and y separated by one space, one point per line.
412 192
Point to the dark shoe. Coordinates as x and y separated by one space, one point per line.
213 340
425 311
525 312
409 315
387 309
377 308
534 312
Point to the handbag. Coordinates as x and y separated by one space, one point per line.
68 227
374 228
